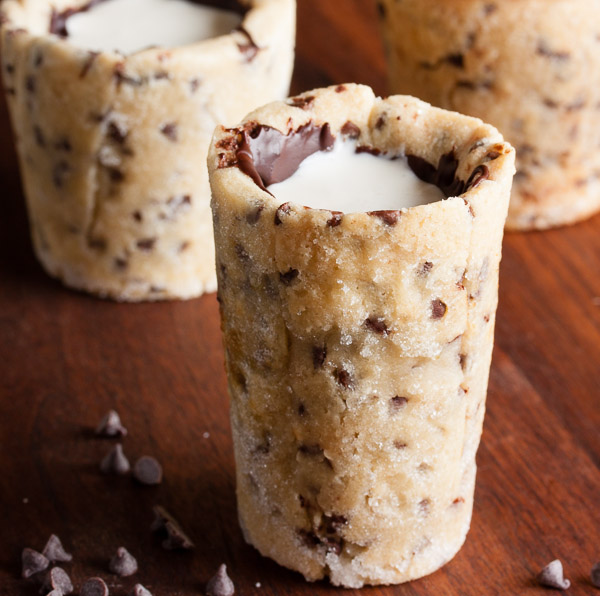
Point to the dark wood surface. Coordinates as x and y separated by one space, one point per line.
65 358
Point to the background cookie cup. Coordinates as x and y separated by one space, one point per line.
112 148
358 345
530 68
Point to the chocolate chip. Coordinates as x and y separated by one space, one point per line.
63 144
87 65
253 216
340 88
122 78
115 174
479 174
595 575
400 444
438 309
301 410
462 359
146 244
544 50
397 403
30 84
344 378
314 449
194 85
123 563
425 506
94 586
248 49
32 562
335 219
121 264
55 552
97 243
147 470
110 426
319 354
368 149
220 584
59 173
552 576
176 537
117 132
488 9
170 131
304 103
241 252
282 210
388 217
380 121
39 136
115 462
289 276
139 590
350 130
57 579
377 325
137 215
458 501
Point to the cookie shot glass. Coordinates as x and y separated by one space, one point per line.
358 241
530 68
113 104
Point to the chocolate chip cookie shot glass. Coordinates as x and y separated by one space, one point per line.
530 68
358 331
113 105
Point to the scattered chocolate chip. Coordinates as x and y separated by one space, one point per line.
55 552
248 49
425 268
377 325
147 470
139 590
344 378
146 244
110 426
137 215
176 538
544 50
350 130
122 78
397 403
121 264
340 88
458 501
388 217
94 586
425 506
400 444
115 461
117 132
301 410
289 276
123 563
304 103
253 216
335 219
438 309
319 354
462 359
552 576
479 174
170 131
595 575
32 562
220 584
368 149
87 65
57 579
380 121
241 252
314 449
282 210
115 174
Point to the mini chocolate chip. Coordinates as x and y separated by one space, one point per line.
289 276
87 65
544 50
176 538
94 586
458 501
479 174
30 84
55 552
350 130
377 325
63 144
110 425
123 563
60 172
241 252
388 217
301 410
249 49
194 85
39 136
492 155
97 243
344 378
162 75
400 444
122 78
170 131
57 579
282 210
335 219
372 151
117 132
380 121
115 461
139 590
488 9
314 449
595 575
147 470
397 403
425 268
319 354
146 244
253 216
438 309
340 88
115 174
462 360
220 584
32 562
121 264
304 103
10 68
137 215
184 246
425 506
552 576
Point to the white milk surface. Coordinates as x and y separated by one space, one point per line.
132 25
342 180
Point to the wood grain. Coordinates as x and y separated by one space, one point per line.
65 358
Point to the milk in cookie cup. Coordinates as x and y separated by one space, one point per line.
112 142
358 343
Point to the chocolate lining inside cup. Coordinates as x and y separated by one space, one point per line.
268 156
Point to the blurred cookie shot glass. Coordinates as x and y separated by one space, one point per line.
113 104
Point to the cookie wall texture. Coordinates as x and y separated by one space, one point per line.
529 67
358 345
113 148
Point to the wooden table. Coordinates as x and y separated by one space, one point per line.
66 358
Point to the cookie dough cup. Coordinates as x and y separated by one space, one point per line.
532 69
113 148
358 345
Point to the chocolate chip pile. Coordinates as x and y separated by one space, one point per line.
41 567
